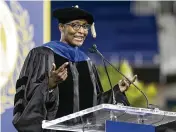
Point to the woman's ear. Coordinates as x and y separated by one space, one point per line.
61 27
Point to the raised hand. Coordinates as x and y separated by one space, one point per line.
125 84
57 75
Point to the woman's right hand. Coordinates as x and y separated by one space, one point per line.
57 75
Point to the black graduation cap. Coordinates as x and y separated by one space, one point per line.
65 15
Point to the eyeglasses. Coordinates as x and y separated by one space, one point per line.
77 26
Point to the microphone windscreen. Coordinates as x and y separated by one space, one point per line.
94 46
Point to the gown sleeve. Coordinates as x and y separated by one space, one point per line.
107 97
33 101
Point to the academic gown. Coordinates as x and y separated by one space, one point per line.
34 102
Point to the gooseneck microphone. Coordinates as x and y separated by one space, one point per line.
106 70
94 49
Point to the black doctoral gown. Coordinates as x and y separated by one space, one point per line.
34 102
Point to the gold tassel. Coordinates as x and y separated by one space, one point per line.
93 30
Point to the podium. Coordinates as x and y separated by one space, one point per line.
111 118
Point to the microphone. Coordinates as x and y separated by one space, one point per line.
94 49
106 70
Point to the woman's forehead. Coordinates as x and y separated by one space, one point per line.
80 21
